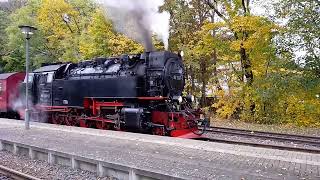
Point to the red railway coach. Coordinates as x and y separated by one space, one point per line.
9 89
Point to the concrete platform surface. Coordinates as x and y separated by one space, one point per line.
183 158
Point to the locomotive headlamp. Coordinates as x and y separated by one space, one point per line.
190 98
177 99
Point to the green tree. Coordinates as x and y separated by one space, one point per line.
15 57
101 40
58 20
78 30
3 37
302 30
187 18
279 92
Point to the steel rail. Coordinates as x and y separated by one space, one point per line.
10 173
269 146
310 140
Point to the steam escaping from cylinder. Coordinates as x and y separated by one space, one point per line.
139 19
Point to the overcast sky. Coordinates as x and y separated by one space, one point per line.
258 6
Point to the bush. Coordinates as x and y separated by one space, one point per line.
288 97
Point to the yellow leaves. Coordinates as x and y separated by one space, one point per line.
102 40
246 23
253 33
212 26
236 45
288 71
53 14
60 23
275 100
227 104
302 111
120 44
203 42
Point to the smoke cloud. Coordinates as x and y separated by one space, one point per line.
139 19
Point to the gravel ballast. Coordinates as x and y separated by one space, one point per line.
3 177
276 128
41 169
259 140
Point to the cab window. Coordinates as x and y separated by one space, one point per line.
50 77
31 76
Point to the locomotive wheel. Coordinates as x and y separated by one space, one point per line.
158 131
110 127
100 125
83 123
104 125
55 118
72 119
87 123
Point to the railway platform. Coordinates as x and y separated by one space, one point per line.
138 156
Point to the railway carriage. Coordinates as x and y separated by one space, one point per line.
9 85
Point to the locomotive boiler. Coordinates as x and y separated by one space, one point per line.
139 93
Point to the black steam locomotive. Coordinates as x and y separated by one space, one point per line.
139 93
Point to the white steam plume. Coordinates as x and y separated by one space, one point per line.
139 19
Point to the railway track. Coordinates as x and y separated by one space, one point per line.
289 142
16 175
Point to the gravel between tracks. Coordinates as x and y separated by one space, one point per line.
259 140
43 170
286 129
3 177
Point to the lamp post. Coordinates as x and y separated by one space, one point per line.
28 31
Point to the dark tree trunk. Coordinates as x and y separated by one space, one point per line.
186 75
246 66
203 68
193 86
215 71
214 56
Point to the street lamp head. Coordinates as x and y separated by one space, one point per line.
28 30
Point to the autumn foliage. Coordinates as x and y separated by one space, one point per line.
245 62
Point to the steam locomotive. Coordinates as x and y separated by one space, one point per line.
138 93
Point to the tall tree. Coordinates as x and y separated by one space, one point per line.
187 17
58 20
237 8
12 5
4 21
15 56
101 40
302 30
